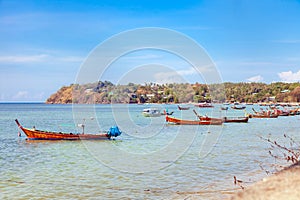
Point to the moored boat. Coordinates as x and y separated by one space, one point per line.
295 111
151 112
283 113
236 119
224 108
206 118
34 134
204 105
177 121
238 107
183 108
262 116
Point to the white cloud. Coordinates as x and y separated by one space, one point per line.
23 59
175 76
24 96
21 95
189 71
72 59
289 76
257 78
40 58
168 77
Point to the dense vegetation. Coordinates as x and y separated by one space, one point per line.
106 92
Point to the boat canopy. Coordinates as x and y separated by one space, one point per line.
114 131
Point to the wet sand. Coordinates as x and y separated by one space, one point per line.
284 184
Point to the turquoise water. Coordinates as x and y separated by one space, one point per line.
150 160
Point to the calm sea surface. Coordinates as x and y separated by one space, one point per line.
150 160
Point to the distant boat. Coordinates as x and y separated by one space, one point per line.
236 119
263 114
183 108
281 112
224 108
238 107
34 134
204 105
151 112
191 122
167 113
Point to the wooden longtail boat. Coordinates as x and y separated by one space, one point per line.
183 108
206 118
34 134
204 105
236 119
284 113
191 122
224 108
151 112
236 107
262 116
294 112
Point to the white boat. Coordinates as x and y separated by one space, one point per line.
151 112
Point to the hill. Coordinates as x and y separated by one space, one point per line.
106 92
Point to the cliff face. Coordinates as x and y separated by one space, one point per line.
101 92
62 96
106 92
293 96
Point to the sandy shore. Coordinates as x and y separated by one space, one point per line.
282 185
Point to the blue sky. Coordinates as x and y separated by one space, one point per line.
43 43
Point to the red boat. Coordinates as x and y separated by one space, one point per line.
192 122
34 134
264 114
206 118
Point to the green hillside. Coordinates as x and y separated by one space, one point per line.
106 92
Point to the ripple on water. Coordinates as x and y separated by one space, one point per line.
68 170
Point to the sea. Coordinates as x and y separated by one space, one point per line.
150 160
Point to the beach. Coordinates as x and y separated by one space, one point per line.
284 184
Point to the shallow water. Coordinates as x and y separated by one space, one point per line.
150 160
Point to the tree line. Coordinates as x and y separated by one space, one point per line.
104 92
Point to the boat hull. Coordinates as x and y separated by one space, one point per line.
151 112
204 106
224 108
238 107
205 118
192 122
33 134
152 115
263 116
183 108
236 119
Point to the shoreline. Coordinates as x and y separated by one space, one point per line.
284 184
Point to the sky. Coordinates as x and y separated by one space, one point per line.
45 43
